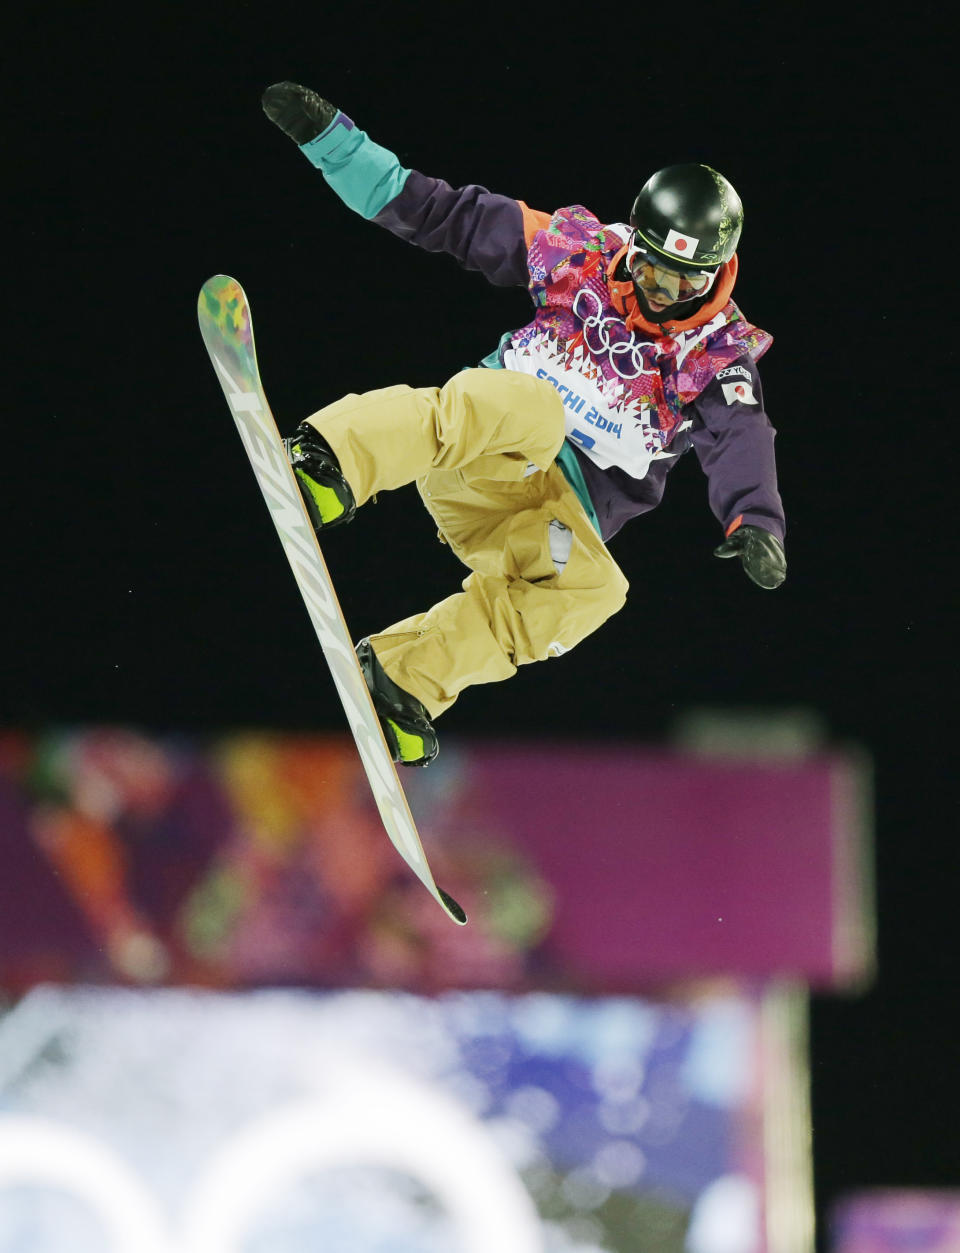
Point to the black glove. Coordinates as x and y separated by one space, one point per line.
761 553
298 111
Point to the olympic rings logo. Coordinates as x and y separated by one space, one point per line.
597 326
371 1116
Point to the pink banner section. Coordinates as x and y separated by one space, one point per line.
904 1220
256 859
666 866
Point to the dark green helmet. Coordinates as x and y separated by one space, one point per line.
690 215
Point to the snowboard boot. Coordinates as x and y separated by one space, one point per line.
406 724
326 493
298 111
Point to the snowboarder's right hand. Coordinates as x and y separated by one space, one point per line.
760 552
298 111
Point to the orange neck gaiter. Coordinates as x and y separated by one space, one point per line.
623 297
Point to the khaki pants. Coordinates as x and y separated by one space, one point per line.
481 450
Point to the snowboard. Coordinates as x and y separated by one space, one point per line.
227 331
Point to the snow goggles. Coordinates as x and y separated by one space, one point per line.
649 273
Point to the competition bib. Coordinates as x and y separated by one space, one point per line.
610 432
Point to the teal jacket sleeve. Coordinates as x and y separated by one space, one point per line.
482 230
365 176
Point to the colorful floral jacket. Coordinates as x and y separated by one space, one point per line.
636 394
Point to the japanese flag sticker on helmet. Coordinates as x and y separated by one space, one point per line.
738 393
682 199
679 244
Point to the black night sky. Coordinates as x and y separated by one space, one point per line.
144 585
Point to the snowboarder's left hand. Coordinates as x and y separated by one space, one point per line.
761 553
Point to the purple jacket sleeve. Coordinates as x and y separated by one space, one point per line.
482 230
733 439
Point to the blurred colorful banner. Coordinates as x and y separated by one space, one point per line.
256 859
176 1121
906 1220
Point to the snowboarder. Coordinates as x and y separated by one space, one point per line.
528 463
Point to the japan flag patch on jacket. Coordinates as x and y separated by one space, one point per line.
741 391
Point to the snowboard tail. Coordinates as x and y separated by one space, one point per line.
227 331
